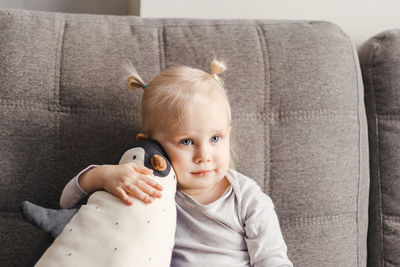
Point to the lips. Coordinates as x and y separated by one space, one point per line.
202 172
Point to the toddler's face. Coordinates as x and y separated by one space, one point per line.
199 150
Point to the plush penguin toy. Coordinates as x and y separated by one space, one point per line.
107 232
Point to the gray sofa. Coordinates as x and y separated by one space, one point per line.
299 119
380 61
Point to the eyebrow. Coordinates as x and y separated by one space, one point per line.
185 134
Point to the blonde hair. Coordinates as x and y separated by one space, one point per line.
168 98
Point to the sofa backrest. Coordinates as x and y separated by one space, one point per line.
296 95
380 58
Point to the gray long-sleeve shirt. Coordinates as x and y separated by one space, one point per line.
239 229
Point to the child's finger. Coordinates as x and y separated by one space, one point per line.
138 193
153 182
142 169
124 197
151 191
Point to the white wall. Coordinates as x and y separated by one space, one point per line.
361 19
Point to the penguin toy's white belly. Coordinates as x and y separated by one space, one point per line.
108 233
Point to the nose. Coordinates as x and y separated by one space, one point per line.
202 154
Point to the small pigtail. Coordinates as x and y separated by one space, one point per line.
135 82
217 67
133 79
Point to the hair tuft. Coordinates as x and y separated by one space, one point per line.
217 67
133 79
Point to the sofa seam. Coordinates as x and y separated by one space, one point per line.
57 62
389 117
389 262
252 115
60 26
266 95
318 219
61 48
161 49
371 73
392 218
356 71
68 20
268 106
71 110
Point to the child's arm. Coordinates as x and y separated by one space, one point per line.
121 180
264 239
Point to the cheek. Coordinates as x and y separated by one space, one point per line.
176 158
225 153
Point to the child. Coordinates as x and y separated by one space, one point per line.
223 217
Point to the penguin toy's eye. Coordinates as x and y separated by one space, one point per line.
134 157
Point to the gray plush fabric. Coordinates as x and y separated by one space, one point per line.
51 221
380 58
296 95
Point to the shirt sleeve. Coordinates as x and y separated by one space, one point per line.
73 192
264 239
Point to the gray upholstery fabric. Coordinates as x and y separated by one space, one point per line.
380 58
298 115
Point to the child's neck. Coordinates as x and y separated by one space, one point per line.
208 195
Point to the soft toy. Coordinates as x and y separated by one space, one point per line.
107 232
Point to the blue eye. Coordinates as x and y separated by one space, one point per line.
215 139
186 142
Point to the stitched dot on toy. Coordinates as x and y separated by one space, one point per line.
70 229
70 254
97 208
116 223
115 249
149 259
148 221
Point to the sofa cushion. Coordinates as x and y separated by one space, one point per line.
296 95
380 60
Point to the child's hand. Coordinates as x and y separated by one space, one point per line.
123 180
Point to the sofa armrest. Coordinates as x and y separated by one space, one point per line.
380 63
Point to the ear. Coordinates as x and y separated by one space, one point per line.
141 136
